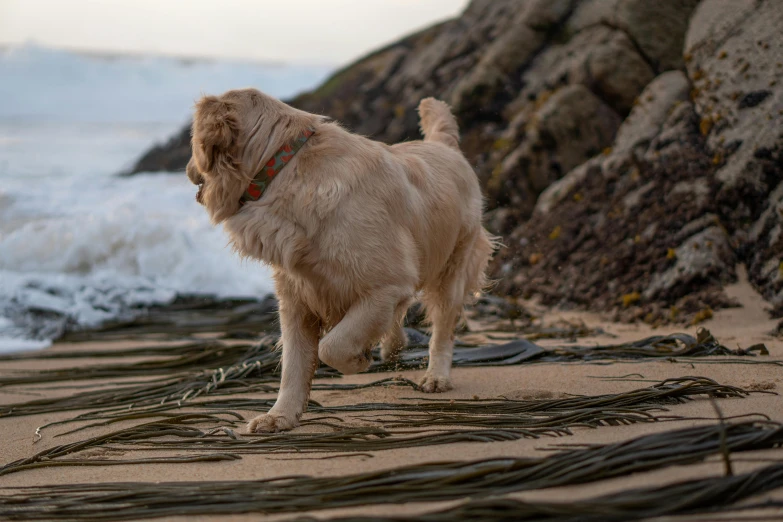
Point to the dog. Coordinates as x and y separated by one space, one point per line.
355 230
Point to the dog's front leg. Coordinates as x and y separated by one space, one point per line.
347 347
299 336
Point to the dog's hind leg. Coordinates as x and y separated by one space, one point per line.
300 330
443 311
463 275
347 347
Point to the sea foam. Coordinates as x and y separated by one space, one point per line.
80 245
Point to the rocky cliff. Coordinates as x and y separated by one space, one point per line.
630 150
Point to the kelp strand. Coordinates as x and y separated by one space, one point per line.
427 482
519 418
709 495
195 357
256 372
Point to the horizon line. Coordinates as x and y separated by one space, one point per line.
109 54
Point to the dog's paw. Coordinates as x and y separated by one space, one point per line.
355 363
390 354
271 423
432 383
360 362
392 346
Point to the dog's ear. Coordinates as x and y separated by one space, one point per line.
216 129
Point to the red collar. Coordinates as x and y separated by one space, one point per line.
273 167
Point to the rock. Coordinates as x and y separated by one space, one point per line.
497 70
635 134
645 23
736 64
601 58
703 255
682 125
735 54
571 126
687 191
171 156
654 105
714 20
500 221
557 191
614 229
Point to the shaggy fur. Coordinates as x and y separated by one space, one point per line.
354 230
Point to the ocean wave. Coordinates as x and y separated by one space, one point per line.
80 246
103 248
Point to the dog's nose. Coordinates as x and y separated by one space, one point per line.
194 175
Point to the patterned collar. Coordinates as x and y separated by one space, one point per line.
273 167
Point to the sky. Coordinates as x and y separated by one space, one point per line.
302 31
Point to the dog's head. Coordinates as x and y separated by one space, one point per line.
231 134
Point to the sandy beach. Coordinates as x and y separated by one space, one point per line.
734 327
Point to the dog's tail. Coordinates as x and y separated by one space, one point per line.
437 123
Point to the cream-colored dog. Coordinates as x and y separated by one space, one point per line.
352 228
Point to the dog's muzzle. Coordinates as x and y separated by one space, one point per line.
196 178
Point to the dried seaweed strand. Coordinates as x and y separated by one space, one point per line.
180 358
709 495
563 415
263 356
669 391
428 482
176 426
144 437
589 418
